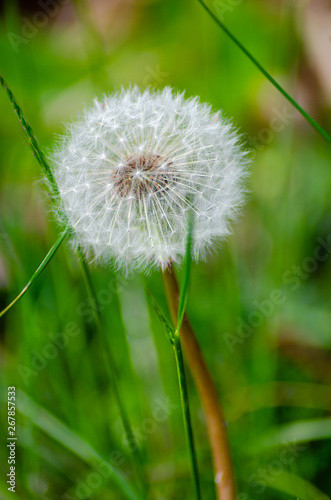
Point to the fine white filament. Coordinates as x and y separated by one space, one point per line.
135 164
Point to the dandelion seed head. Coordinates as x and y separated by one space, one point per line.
135 164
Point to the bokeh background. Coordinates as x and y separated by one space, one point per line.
260 306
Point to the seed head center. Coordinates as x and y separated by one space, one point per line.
142 175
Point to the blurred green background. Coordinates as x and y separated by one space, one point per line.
260 306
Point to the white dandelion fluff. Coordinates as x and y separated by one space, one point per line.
130 170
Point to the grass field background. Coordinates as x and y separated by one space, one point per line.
260 306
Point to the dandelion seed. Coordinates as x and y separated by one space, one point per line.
163 156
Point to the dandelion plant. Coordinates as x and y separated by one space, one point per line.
129 171
146 181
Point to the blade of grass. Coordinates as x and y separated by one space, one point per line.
175 342
216 424
110 366
169 329
38 271
183 297
185 288
59 432
174 338
297 487
187 415
304 113
30 136
303 431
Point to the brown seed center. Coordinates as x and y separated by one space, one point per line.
142 175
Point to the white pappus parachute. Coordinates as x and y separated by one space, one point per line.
133 166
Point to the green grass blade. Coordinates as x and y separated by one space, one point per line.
169 329
184 289
296 486
175 341
58 431
187 415
183 297
304 113
303 431
38 272
29 134
110 366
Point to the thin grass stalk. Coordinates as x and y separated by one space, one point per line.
216 425
185 287
174 339
137 464
37 272
30 136
250 56
183 297
187 415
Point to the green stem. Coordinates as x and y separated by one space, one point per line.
38 271
186 413
216 424
112 374
304 113
28 132
185 287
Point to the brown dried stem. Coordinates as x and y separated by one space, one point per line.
224 474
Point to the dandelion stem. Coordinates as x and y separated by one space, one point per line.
137 464
304 113
224 474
